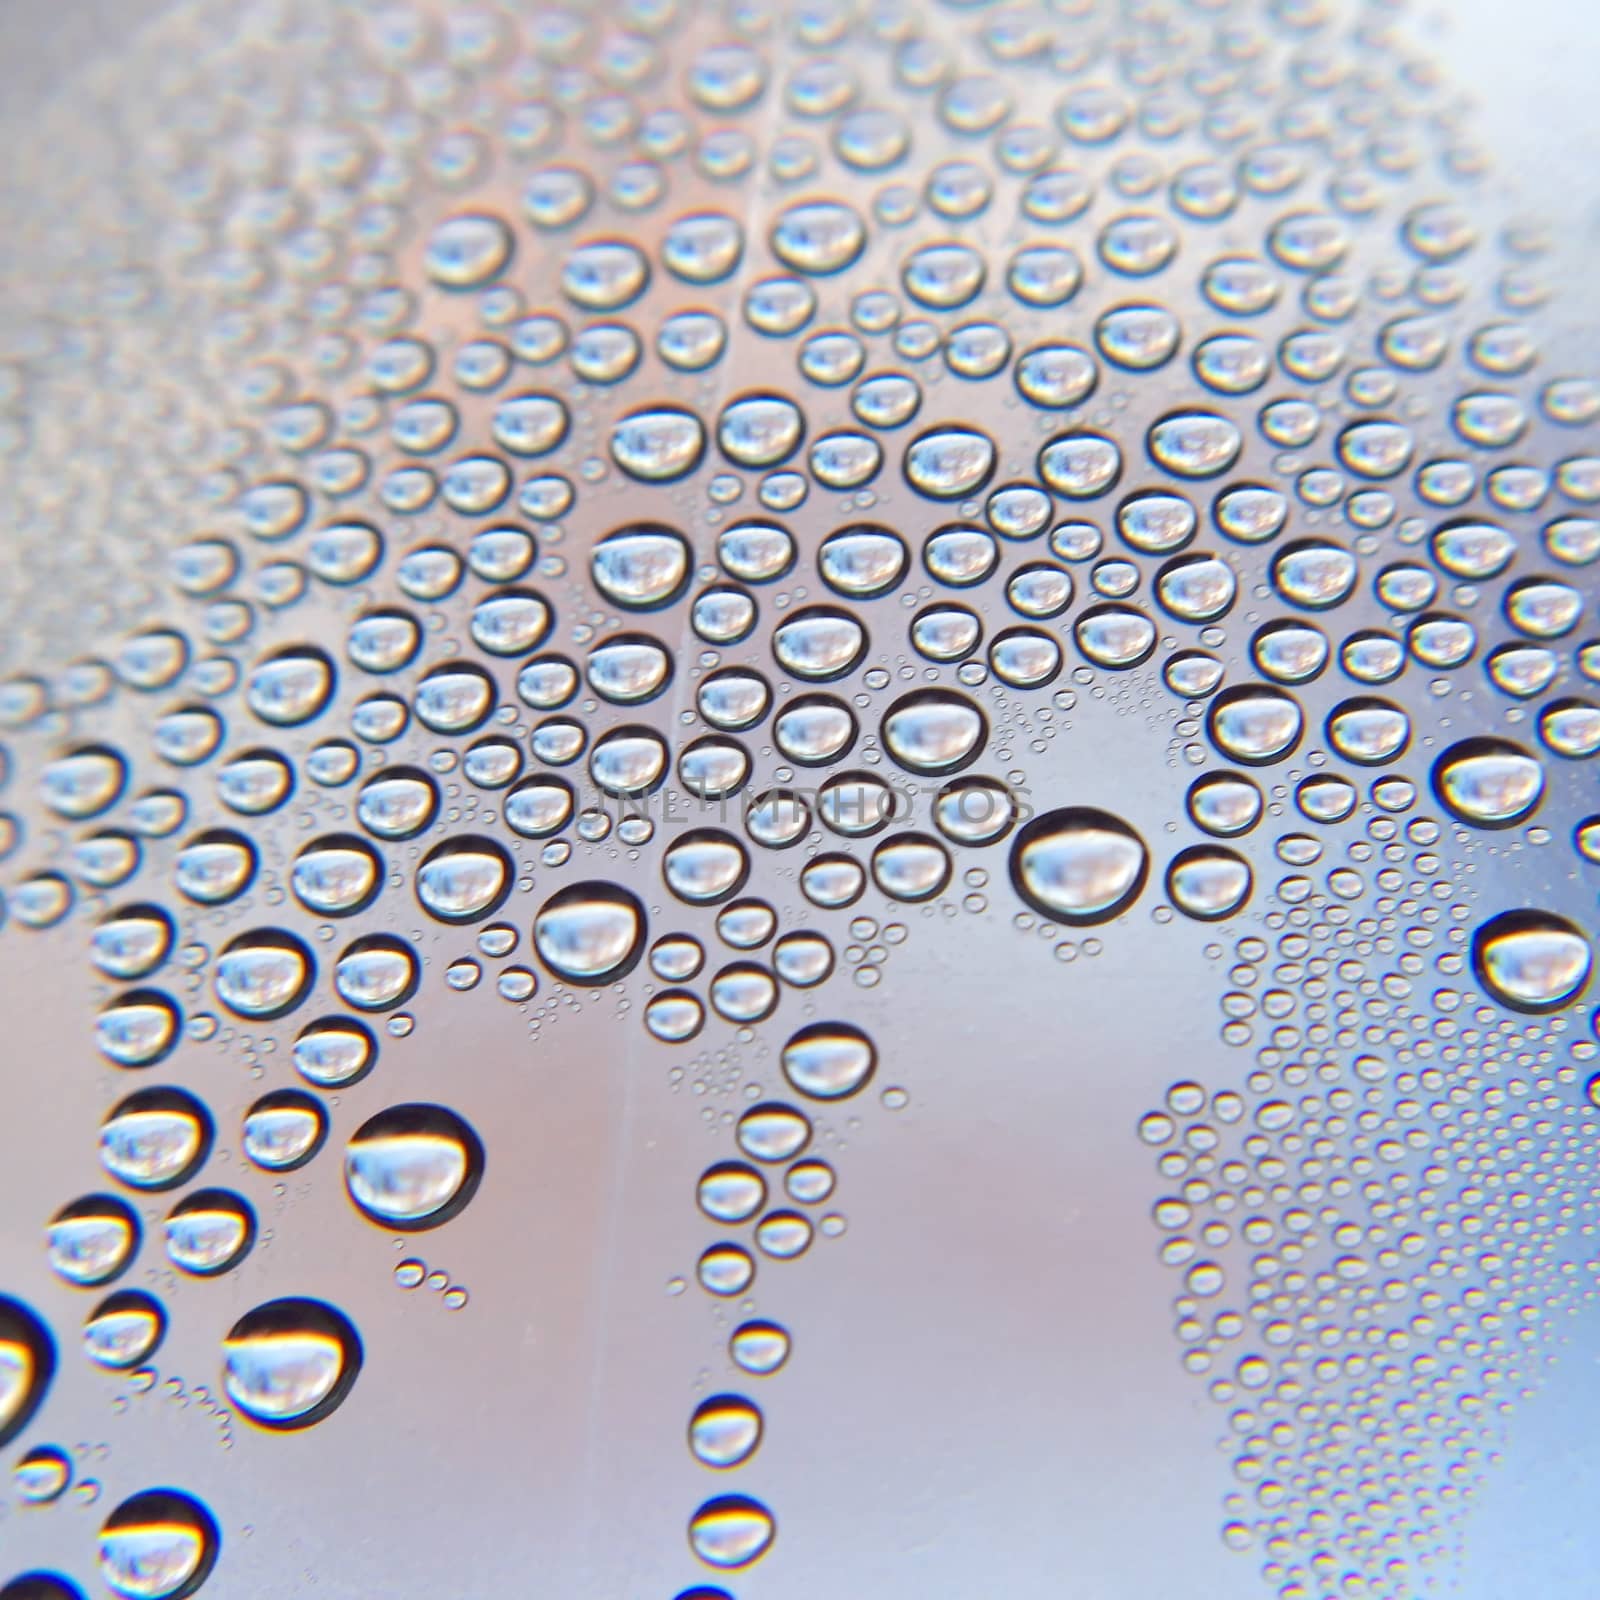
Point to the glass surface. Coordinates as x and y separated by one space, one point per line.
799 799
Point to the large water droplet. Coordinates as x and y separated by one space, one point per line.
464 879
1532 960
124 1330
732 1531
725 1431
1208 882
159 1545
264 974
289 1363
1489 783
465 252
1255 726
27 1364
819 643
660 445
377 973
934 731
641 567
155 1139
413 1166
283 1130
337 875
829 1060
1078 865
949 462
210 1231
590 933
92 1240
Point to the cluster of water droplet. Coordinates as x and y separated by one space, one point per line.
594 458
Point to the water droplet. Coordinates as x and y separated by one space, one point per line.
827 1061
289 1363
1532 960
283 1130
90 1242
725 1431
337 875
731 1192
732 1531
159 1545
155 1139
376 973
334 1052
641 567
1208 882
209 1232
1078 865
124 1330
413 1166
658 446
590 933
819 643
42 1475
1255 726
464 880
949 462
27 1364
467 251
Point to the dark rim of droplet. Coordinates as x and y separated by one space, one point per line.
437 1122
19 1325
108 1206
298 1315
171 1507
